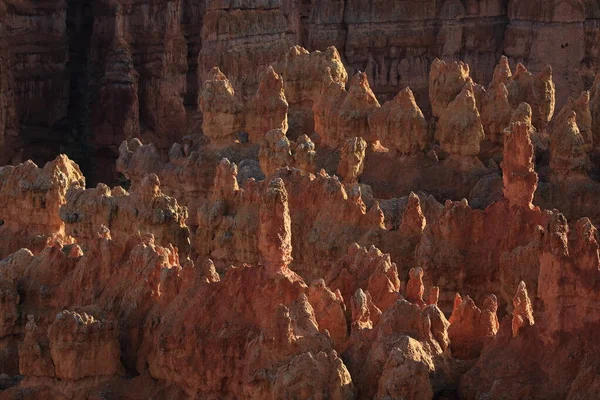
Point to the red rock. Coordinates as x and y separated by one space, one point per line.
221 109
581 106
568 155
459 129
146 210
414 287
275 228
470 326
518 168
31 201
399 124
215 302
536 90
276 151
268 108
496 112
367 270
330 312
446 81
115 115
352 159
341 114
522 310
304 76
82 346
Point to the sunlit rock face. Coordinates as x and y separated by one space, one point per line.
330 199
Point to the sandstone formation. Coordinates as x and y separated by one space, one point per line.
225 115
81 346
446 81
276 152
221 109
341 114
399 124
568 147
496 111
352 159
536 90
518 168
459 129
471 326
244 37
305 75
368 270
146 210
62 62
279 234
31 201
268 108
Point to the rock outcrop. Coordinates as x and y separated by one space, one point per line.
31 201
352 160
146 210
518 169
536 90
82 346
305 75
225 115
276 151
243 38
240 259
568 155
115 114
228 223
399 124
341 114
368 270
446 81
268 108
221 109
470 326
459 129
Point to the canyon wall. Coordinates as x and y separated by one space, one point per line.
80 76
407 211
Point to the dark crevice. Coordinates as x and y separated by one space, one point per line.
76 141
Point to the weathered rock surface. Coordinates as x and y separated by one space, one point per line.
470 326
62 62
352 160
276 151
459 129
446 81
31 202
225 115
568 146
305 75
399 124
341 114
81 346
88 213
236 264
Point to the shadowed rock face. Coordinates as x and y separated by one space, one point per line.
281 231
80 76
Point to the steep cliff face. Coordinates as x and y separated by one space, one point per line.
243 38
87 75
9 123
38 49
